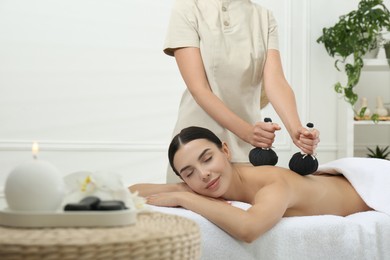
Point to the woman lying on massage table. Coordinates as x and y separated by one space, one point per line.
201 160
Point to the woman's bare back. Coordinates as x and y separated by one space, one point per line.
313 194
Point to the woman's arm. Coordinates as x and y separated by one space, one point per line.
282 98
270 204
147 189
191 67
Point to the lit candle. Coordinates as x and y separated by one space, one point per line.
34 186
35 149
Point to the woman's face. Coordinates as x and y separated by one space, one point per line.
204 167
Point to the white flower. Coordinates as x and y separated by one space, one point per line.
104 185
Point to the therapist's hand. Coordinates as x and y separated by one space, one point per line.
263 134
307 140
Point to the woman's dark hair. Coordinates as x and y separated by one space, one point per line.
187 135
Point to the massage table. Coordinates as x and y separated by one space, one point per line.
364 235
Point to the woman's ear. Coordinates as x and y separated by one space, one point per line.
226 150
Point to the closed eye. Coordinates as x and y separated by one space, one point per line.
189 174
207 159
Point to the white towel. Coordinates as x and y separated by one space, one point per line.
216 243
369 176
359 236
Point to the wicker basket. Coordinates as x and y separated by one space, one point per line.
155 236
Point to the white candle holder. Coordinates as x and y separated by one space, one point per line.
34 186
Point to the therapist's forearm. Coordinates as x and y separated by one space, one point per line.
223 115
283 101
192 70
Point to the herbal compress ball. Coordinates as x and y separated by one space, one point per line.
263 156
302 163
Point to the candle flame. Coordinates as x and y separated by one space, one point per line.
35 149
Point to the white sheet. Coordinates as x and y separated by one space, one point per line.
364 235
360 236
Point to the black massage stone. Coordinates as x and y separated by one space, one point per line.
94 203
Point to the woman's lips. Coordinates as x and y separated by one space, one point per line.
212 184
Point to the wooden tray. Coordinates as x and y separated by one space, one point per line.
67 218
367 118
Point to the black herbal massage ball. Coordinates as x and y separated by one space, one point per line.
263 156
302 163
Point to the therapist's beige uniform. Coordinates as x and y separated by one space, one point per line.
233 37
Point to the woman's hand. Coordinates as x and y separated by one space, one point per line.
263 134
307 140
166 199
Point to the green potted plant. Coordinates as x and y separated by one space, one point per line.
355 34
380 153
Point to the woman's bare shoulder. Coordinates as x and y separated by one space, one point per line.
267 172
259 177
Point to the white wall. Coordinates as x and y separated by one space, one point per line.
88 81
